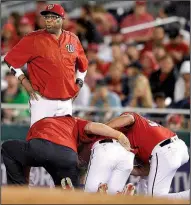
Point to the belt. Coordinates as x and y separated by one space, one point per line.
112 141
106 141
168 141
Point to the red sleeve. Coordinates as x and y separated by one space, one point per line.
82 135
21 53
81 59
81 125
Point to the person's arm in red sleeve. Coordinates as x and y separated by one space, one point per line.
81 58
99 129
82 65
125 120
17 57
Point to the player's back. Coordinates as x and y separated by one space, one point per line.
62 130
145 135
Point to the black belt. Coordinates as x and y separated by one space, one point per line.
106 141
168 141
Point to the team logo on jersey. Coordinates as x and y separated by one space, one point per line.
70 48
50 6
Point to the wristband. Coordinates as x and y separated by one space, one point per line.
120 135
16 72
81 75
79 82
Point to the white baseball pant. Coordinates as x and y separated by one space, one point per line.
48 108
142 189
109 163
163 165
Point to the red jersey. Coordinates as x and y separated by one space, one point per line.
51 63
65 130
144 135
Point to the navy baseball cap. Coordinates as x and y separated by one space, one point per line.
55 9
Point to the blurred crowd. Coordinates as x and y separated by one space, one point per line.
149 68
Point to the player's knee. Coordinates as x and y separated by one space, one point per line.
114 190
157 192
91 188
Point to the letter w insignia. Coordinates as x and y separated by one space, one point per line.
70 48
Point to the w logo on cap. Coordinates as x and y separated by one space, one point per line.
50 6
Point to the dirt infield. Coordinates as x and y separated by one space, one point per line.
17 195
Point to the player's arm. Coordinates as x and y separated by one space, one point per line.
16 58
82 65
18 73
104 130
125 120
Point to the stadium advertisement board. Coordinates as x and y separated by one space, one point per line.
40 177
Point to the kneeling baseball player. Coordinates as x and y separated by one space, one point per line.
109 163
158 146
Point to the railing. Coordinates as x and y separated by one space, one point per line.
103 115
117 109
157 22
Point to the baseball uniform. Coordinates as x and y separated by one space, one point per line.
109 163
159 146
51 66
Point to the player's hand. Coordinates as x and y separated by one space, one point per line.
123 140
27 85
